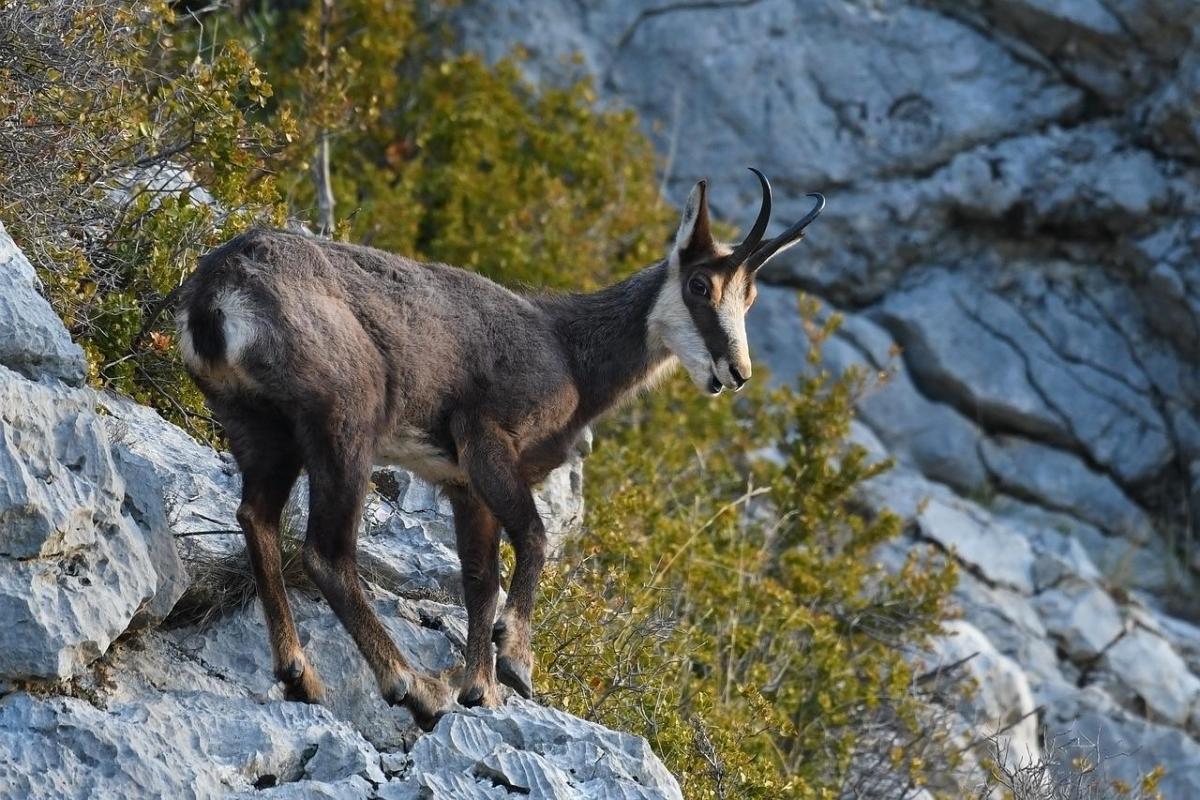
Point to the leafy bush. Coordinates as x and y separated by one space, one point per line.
109 127
725 603
439 155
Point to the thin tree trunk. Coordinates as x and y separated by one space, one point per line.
325 200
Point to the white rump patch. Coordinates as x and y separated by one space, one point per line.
186 348
240 324
240 327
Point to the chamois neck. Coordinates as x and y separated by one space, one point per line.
605 335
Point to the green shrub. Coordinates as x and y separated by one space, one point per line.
100 103
724 601
441 156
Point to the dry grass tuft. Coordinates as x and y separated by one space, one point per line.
224 583
1071 767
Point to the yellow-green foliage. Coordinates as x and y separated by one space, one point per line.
523 186
99 100
440 155
724 600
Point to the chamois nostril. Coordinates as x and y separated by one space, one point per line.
737 377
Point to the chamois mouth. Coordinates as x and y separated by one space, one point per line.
715 387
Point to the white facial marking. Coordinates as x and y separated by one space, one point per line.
671 329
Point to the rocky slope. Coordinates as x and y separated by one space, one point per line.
1012 233
107 513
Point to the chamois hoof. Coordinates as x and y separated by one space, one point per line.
301 684
515 675
395 693
427 699
477 695
499 631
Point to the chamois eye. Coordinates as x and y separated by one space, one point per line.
698 287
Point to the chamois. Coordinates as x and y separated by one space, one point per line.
332 357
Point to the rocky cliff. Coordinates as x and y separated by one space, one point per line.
110 518
1012 234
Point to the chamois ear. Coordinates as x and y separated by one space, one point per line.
694 239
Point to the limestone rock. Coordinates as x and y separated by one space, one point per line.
559 500
1058 480
1045 370
530 749
1172 113
1093 40
1072 547
1082 617
847 109
238 645
33 341
75 571
1012 624
1002 703
1142 669
1086 724
167 470
186 744
1000 554
194 713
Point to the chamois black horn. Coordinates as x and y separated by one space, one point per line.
789 237
748 245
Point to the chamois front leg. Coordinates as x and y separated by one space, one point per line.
487 453
477 534
513 631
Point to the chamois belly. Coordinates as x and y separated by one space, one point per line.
411 449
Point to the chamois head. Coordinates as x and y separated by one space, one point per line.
700 314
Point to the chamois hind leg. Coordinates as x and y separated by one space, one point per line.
477 534
337 485
270 464
487 454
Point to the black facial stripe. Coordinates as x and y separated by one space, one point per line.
705 318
